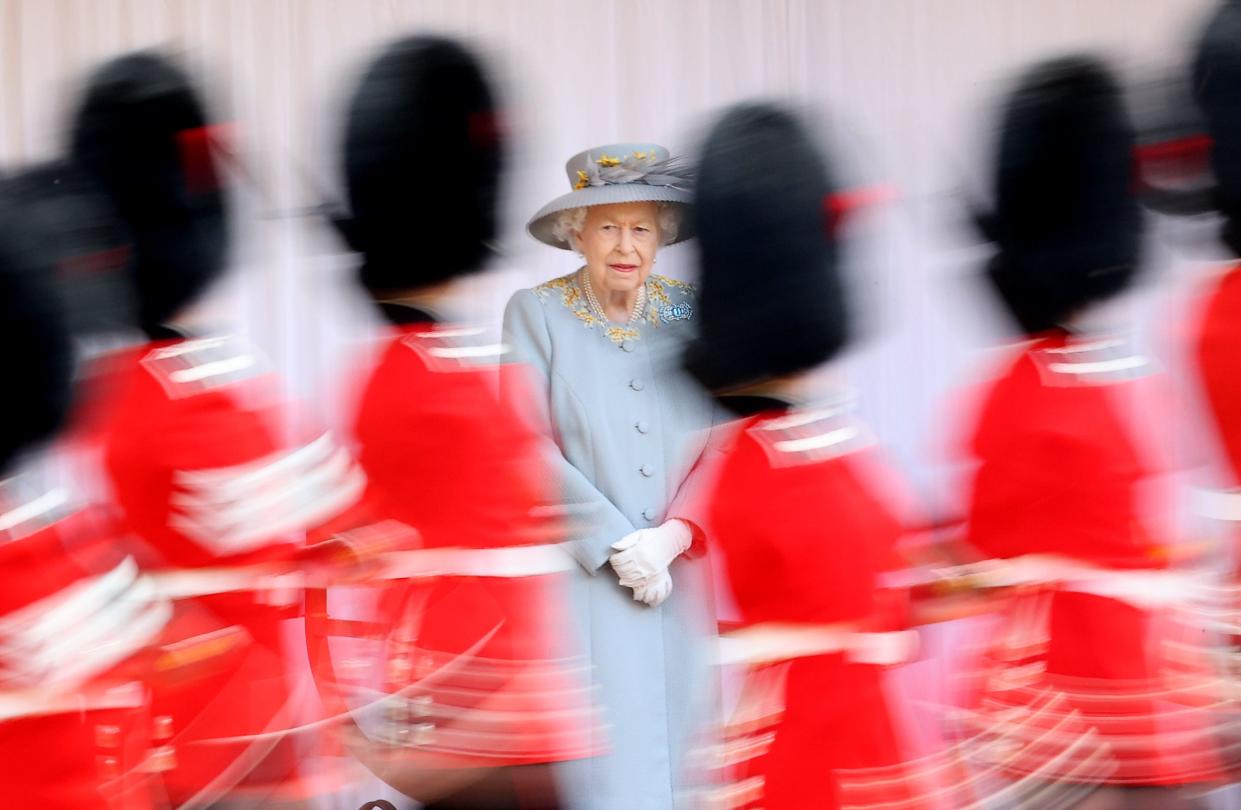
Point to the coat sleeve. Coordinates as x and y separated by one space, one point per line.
597 523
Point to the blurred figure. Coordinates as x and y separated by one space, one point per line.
1085 685
1217 334
800 507
627 429
1205 177
77 622
482 688
188 429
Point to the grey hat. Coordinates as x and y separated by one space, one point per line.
617 173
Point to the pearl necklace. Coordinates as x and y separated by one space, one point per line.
639 306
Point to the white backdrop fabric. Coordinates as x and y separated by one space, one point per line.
902 89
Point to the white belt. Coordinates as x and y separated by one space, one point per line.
511 561
83 630
36 702
768 643
514 561
1143 588
1218 504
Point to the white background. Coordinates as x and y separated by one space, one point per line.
904 89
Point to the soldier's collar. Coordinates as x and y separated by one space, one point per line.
400 313
162 332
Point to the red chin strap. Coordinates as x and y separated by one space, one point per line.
1187 154
840 206
197 147
486 129
96 263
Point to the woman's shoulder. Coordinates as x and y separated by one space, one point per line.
665 286
545 303
562 291
557 289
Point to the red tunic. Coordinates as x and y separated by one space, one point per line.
188 430
1217 350
444 454
1219 364
796 513
1059 474
76 631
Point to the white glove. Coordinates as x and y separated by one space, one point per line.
642 554
653 591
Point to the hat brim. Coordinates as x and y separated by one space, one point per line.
541 224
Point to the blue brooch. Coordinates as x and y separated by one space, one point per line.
675 312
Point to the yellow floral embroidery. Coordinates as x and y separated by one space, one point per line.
583 180
619 334
570 295
640 155
676 284
608 161
657 295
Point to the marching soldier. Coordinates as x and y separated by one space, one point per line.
188 430
799 510
483 691
1085 678
78 623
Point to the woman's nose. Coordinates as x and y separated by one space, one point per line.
626 241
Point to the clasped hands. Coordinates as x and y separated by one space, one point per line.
641 559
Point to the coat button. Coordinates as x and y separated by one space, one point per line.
627 345
161 759
161 728
641 426
637 384
648 513
109 766
108 736
647 470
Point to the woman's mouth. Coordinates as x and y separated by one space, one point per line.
623 268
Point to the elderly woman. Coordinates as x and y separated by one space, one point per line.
627 424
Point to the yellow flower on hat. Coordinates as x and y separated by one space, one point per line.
640 155
606 161
583 180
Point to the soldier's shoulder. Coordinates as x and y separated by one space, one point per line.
196 366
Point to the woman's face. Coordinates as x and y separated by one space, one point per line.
619 243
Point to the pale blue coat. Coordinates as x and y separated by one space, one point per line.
629 425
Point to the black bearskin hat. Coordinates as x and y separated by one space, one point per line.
142 135
38 357
772 301
423 156
1066 220
1217 90
82 240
